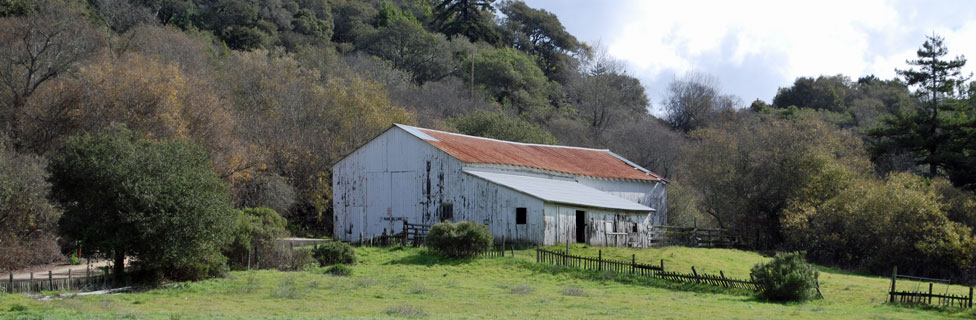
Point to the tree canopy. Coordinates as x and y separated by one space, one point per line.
932 133
159 202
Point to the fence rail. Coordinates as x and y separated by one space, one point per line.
927 298
89 281
639 269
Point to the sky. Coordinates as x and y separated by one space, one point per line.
754 48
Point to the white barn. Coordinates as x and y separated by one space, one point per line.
541 194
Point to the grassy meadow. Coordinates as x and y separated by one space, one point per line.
408 283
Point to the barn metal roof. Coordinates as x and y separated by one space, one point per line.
559 191
600 163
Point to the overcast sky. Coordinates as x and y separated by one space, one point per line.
756 47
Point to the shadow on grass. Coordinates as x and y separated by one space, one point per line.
630 279
427 258
925 307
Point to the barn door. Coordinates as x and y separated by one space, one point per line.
378 199
580 226
406 198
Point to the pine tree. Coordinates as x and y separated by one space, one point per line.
470 18
932 133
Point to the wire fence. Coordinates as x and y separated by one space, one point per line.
84 280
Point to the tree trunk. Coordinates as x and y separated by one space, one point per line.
119 267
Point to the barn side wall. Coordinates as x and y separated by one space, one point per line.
601 227
648 193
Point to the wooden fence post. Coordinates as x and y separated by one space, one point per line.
599 262
970 297
69 278
696 274
894 274
930 294
50 280
10 288
633 263
662 264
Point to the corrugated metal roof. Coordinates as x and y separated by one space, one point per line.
600 163
559 191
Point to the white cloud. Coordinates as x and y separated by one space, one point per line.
773 41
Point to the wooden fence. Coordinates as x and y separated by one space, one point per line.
598 263
415 234
639 269
720 280
88 281
927 298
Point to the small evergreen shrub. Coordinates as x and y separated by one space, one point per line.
462 240
339 270
788 277
335 252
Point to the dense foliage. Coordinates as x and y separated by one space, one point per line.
159 202
788 277
335 252
28 221
252 242
461 240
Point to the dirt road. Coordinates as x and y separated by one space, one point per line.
58 271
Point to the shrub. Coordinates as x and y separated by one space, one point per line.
788 277
462 240
253 238
335 252
302 258
339 270
73 259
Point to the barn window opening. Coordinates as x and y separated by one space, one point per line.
635 228
520 215
447 211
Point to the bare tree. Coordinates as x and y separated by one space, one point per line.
605 95
36 49
693 100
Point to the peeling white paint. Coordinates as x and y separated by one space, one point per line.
397 176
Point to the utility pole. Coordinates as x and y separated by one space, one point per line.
472 74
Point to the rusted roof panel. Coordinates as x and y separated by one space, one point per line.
573 160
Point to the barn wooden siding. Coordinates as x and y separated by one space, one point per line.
398 176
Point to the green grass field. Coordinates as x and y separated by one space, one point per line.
407 283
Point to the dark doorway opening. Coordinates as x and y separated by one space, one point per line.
580 226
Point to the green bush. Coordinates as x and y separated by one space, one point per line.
253 237
339 270
73 259
335 252
302 258
788 277
461 240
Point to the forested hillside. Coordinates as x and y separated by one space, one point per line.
862 173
